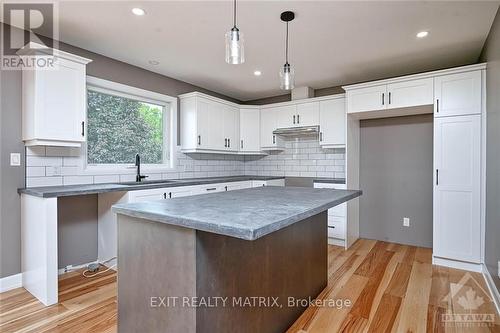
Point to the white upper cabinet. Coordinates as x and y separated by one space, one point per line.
208 124
268 123
457 94
307 114
410 93
249 130
457 188
332 123
366 99
54 102
286 116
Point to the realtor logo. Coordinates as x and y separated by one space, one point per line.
472 304
24 24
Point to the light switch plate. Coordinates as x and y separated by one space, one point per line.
15 159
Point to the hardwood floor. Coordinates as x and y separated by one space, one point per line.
390 287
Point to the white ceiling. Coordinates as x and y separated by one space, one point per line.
331 42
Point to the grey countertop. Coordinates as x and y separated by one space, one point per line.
247 214
71 190
329 180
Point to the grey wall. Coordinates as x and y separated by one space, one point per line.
491 54
396 179
12 178
77 230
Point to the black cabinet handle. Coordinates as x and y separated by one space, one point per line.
437 176
164 195
229 143
211 189
389 97
241 144
170 195
83 128
437 105
294 119
225 188
383 98
320 136
199 140
225 143
274 139
298 119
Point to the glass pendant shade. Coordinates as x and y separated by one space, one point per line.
287 77
235 51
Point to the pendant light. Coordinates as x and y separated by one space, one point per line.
287 73
235 52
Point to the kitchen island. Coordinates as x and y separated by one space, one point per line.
223 262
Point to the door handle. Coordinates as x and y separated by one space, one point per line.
83 128
294 119
437 177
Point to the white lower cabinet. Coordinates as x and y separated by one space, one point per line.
272 182
457 188
336 216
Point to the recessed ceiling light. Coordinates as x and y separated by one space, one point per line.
422 34
257 73
138 11
153 62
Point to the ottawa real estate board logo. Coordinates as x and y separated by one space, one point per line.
29 34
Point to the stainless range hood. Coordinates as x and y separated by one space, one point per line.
297 131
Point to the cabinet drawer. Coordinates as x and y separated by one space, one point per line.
336 227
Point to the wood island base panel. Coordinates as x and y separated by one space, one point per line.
175 279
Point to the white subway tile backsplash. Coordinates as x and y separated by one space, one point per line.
43 161
77 180
35 171
106 179
43 181
71 161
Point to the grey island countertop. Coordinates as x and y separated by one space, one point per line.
247 214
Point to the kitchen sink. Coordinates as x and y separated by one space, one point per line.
148 182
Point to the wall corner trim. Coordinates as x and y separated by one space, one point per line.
495 293
11 282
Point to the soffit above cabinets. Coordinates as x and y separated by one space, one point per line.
332 42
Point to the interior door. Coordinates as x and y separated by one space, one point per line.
332 122
367 99
457 155
307 114
457 94
410 93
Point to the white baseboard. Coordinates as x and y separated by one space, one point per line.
468 266
11 282
336 241
491 285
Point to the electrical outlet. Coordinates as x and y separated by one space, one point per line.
406 221
15 159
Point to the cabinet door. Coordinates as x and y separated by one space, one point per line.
286 116
203 120
332 122
147 195
367 99
61 98
249 130
267 126
307 114
457 94
410 93
231 128
457 154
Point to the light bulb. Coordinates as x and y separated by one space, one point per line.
235 52
287 77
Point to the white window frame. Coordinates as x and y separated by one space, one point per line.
169 127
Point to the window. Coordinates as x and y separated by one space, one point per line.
125 121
